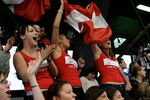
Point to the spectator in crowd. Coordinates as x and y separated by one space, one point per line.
28 37
43 41
139 75
143 59
4 87
32 70
114 94
61 90
88 79
66 65
5 55
131 67
144 91
123 66
110 71
96 93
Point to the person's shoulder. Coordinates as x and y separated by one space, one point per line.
17 54
83 78
134 82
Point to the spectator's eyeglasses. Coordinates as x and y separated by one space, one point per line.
5 82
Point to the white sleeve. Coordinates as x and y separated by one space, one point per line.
84 83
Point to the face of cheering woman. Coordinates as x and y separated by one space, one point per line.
30 37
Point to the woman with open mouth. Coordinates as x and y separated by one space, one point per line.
4 87
28 37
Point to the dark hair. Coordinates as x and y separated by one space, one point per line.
90 70
55 88
120 60
94 92
21 31
111 92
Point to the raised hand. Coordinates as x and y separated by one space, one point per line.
34 66
10 42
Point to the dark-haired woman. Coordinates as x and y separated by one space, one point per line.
28 36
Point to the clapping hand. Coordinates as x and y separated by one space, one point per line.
34 66
46 53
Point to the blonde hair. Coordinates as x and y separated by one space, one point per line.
145 91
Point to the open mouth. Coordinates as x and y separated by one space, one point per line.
35 38
8 92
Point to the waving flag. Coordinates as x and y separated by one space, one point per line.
88 21
32 9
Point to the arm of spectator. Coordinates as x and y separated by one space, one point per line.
46 54
55 33
96 51
138 56
52 67
20 66
128 85
10 42
33 68
56 25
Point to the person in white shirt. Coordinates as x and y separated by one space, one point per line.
88 79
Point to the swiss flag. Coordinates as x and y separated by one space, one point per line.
88 21
32 9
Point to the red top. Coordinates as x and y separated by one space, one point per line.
46 41
67 69
43 76
108 69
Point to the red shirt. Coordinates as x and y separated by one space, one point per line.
46 41
108 69
43 76
67 69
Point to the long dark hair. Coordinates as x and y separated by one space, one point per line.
21 31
